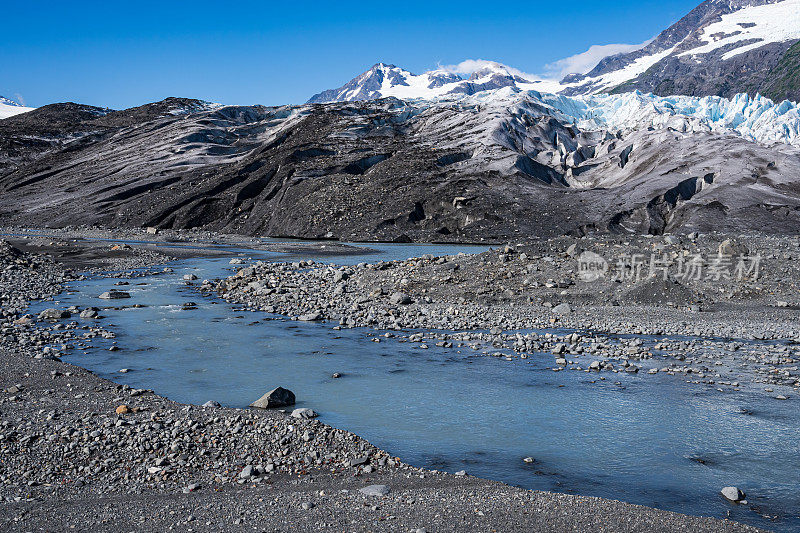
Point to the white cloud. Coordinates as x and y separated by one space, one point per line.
471 66
19 99
577 64
586 61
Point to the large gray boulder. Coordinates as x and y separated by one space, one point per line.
278 397
375 490
114 295
733 494
562 309
732 248
400 298
53 314
304 412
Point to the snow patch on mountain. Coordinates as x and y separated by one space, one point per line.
750 28
9 108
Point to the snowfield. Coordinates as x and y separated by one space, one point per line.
9 108
751 28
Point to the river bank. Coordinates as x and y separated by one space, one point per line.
70 460
725 333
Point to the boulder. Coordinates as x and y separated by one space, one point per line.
53 314
91 312
562 309
375 490
114 295
278 397
400 298
247 472
732 248
733 494
304 412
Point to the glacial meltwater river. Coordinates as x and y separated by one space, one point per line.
647 439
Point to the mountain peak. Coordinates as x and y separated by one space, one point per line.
9 102
720 48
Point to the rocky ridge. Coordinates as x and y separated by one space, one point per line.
477 168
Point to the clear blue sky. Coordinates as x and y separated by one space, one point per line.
121 54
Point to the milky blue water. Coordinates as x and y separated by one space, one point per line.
648 439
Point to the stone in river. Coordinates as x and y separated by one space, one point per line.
53 314
114 295
733 494
310 317
278 397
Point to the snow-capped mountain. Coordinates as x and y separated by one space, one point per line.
721 48
384 80
9 108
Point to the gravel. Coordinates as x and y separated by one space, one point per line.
80 452
529 301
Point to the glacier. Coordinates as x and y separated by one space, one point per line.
756 119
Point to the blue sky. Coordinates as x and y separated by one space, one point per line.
246 52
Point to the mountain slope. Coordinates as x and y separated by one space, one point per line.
27 136
492 166
783 80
